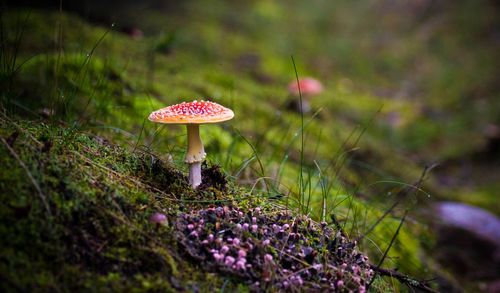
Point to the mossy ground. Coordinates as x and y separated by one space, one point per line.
81 223
95 234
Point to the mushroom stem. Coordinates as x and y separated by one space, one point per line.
195 174
195 154
306 107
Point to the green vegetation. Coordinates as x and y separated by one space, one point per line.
395 100
75 213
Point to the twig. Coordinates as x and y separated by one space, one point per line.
404 279
401 195
388 248
37 187
400 199
337 225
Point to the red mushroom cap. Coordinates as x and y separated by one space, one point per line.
196 112
308 86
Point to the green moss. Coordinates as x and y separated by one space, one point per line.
97 234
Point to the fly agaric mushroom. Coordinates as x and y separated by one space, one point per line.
193 114
308 87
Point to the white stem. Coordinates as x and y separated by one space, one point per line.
195 174
306 107
195 154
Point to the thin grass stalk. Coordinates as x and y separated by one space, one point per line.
387 250
57 65
301 178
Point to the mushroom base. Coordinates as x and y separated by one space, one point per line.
195 174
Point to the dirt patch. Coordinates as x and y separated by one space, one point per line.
213 177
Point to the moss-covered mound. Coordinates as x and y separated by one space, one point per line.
75 215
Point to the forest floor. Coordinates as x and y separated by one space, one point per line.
88 170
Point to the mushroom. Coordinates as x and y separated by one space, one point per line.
308 87
193 114
158 219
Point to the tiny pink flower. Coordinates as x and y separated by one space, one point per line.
266 242
242 253
236 241
218 257
229 261
297 280
254 228
355 269
268 258
190 226
240 265
224 249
